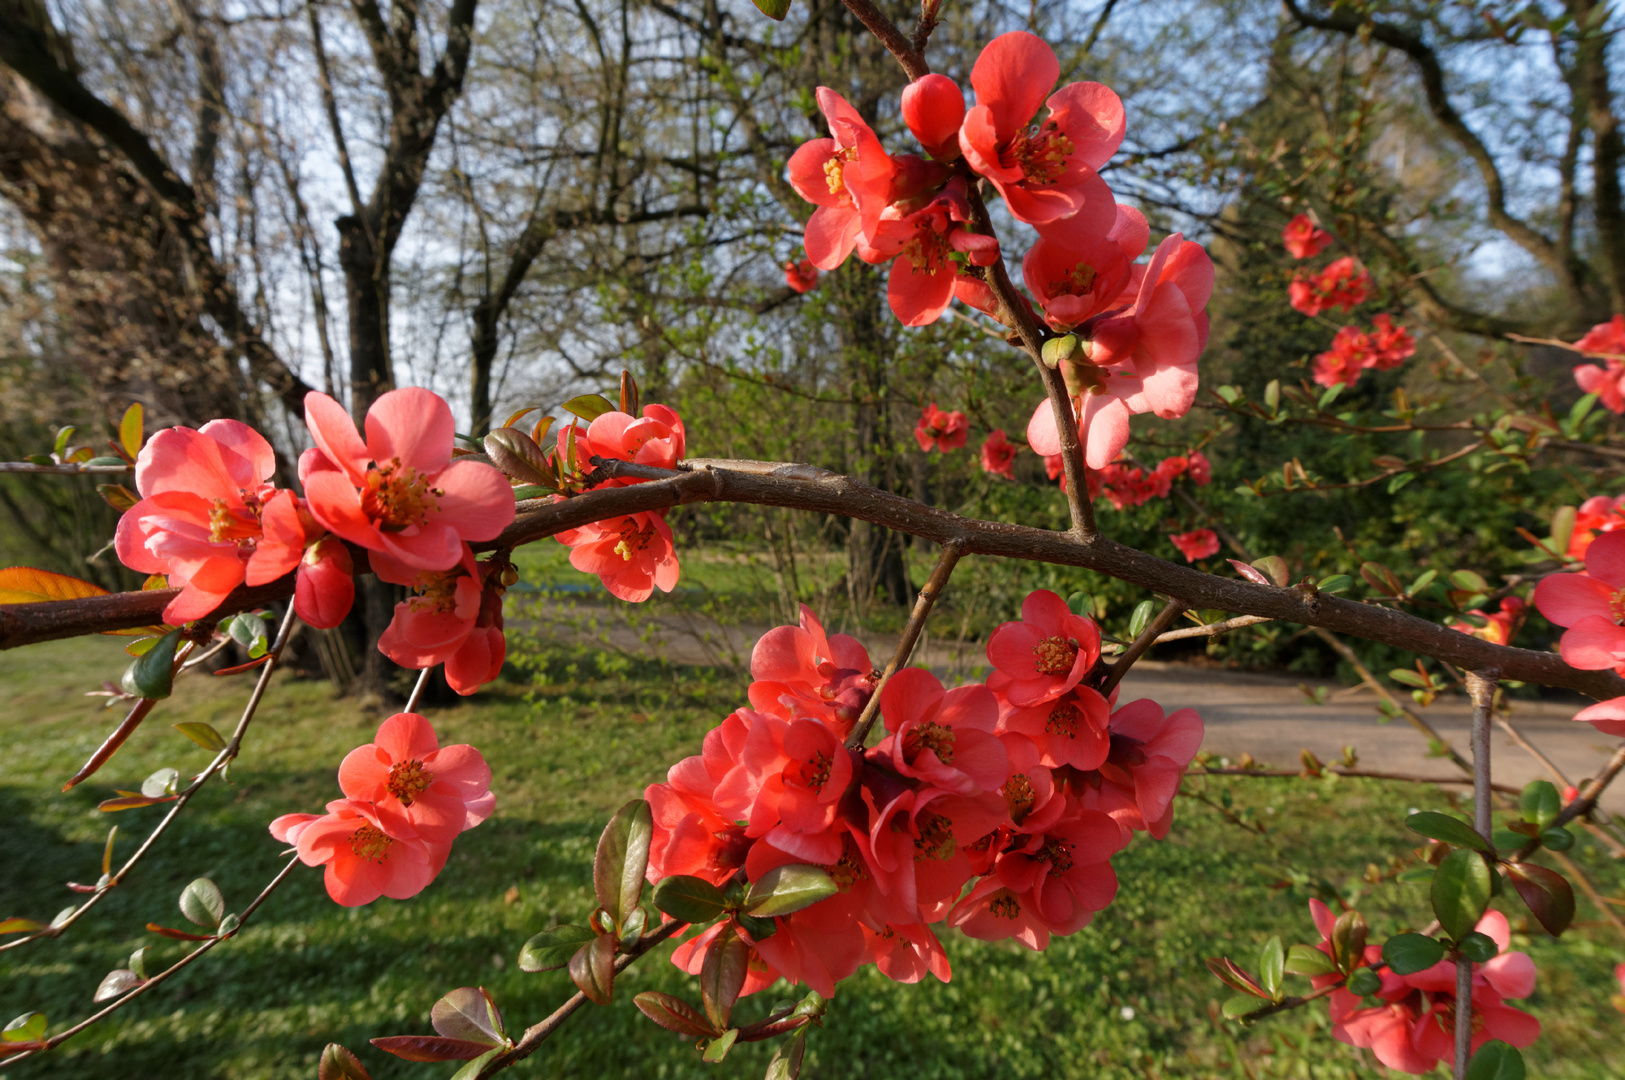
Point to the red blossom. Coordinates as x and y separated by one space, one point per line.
1042 657
1303 238
999 455
933 109
1500 628
399 492
632 554
1342 284
455 619
1605 340
415 785
1589 604
1597 515
1045 168
209 517
847 176
1201 469
363 859
944 430
1137 782
1196 544
801 275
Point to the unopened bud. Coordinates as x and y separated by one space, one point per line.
510 577
1076 376
1059 349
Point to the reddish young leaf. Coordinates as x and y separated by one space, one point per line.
592 969
430 1048
133 802
675 1014
619 867
19 925
240 668
722 974
178 935
117 983
468 1013
26 585
339 1064
1233 977
1250 573
1549 897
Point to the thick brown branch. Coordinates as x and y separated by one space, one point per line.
807 487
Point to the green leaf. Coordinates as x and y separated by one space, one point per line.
592 969
1563 528
689 899
1308 960
622 859
588 406
532 491
202 903
552 948
1271 960
1461 892
718 1048
26 1028
786 1063
250 632
161 783
786 889
1547 894
228 925
675 1014
1141 617
116 983
339 1064
1540 803
1364 982
1409 677
1496 1060
1422 581
722 974
152 673
474 1067
773 9
1578 411
1415 874
1329 396
1479 948
1081 603
1406 954
758 929
1225 970
1400 481
1469 581
138 962
1558 839
1348 940
62 437
1239 1006
203 734
131 430
1272 395
1450 830
1335 584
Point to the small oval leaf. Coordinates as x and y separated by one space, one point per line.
1406 954
1461 892
552 948
1443 827
787 889
202 903
339 1064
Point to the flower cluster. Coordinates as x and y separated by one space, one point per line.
999 455
1413 1029
632 554
1342 284
1605 340
404 497
211 519
1139 328
1303 238
944 430
406 798
1354 350
1125 487
995 807
801 275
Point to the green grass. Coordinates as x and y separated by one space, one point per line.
577 738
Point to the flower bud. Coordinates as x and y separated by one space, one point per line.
1059 349
933 108
324 589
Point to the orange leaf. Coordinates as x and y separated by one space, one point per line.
130 430
26 585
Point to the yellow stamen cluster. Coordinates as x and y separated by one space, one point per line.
633 540
933 737
936 839
232 524
397 497
371 844
1063 720
408 780
1055 656
1018 796
1076 281
1042 152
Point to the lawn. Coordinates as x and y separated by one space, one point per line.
571 736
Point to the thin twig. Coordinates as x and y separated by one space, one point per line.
221 760
537 1033
242 921
1604 822
417 690
905 642
61 470
1165 618
1481 687
1338 770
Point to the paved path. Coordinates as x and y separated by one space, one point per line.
1265 715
